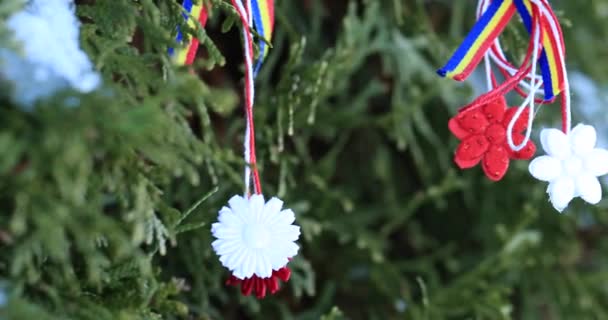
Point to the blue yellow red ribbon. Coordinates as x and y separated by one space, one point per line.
263 20
479 40
262 12
187 52
550 60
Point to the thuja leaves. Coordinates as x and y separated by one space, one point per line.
83 186
107 204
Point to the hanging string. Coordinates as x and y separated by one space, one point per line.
260 13
249 141
529 101
186 55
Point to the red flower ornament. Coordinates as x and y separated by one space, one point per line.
483 135
261 285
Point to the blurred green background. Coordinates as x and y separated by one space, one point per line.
99 217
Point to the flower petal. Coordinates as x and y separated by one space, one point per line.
496 134
225 232
278 259
292 249
224 247
227 217
281 219
473 121
589 188
561 192
583 139
495 111
495 162
555 143
263 268
256 208
287 217
272 208
466 164
288 233
524 154
239 257
273 205
457 130
596 162
248 266
545 168
522 122
235 262
238 204
288 250
472 148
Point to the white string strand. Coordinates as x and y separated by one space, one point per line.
488 67
248 97
486 58
529 100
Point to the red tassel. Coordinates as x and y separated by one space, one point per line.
261 285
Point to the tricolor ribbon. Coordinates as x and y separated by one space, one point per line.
479 40
263 20
186 54
262 14
552 57
490 25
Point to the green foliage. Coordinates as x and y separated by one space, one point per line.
106 208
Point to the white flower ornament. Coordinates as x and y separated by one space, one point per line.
571 166
255 238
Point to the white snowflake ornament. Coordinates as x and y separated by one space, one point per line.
571 166
255 237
